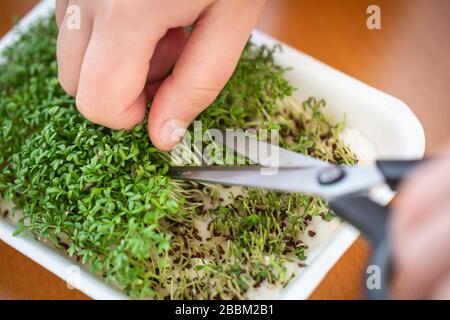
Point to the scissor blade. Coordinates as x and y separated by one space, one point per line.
269 155
304 180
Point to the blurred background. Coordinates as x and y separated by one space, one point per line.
407 58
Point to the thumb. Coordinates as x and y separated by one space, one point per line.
205 65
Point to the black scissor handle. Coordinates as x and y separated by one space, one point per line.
395 170
372 220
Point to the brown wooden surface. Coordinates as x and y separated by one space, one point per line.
408 58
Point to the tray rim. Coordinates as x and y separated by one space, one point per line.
301 287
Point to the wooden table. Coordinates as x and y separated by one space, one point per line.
408 58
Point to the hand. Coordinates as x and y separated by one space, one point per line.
421 233
122 53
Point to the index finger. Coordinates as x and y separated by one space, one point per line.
114 74
205 65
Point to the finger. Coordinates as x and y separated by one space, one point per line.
207 62
167 52
60 10
422 257
427 188
114 74
152 88
71 48
442 289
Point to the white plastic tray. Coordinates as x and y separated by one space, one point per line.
385 121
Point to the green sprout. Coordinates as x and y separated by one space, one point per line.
104 198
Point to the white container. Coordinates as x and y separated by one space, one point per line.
385 121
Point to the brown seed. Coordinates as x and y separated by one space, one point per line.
200 255
311 233
65 246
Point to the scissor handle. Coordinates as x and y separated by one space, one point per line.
372 220
395 170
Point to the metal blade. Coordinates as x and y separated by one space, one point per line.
266 154
306 180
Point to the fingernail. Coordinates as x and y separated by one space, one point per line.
172 132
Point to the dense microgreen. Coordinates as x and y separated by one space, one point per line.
103 196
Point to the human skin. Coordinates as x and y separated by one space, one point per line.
120 57
421 232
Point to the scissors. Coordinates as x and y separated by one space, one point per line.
346 188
